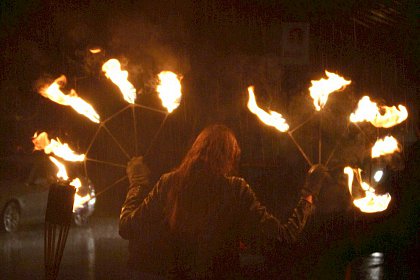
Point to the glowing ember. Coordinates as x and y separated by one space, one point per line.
169 89
321 89
350 176
272 118
382 116
54 93
372 202
41 142
95 50
112 69
385 146
62 172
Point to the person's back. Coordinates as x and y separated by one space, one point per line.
206 231
195 216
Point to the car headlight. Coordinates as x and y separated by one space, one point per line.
378 175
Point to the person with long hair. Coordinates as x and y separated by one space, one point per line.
190 224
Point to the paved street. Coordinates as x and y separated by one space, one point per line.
93 252
97 252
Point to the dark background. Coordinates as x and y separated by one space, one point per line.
219 47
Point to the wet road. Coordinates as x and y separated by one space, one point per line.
92 252
97 252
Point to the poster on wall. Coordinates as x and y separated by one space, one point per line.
295 43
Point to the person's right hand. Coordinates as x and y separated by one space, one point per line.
137 171
314 179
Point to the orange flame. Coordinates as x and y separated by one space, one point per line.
112 69
62 172
54 93
41 142
272 118
78 199
370 112
372 202
321 89
385 146
169 89
76 183
95 50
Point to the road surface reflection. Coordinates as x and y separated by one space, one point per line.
97 252
92 252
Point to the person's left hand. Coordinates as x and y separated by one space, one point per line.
137 171
314 179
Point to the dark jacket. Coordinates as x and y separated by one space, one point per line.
210 249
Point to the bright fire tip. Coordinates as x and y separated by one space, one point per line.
62 150
95 50
387 145
321 89
270 118
54 93
119 77
378 116
169 89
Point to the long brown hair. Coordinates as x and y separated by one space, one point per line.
214 153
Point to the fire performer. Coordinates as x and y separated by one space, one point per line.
190 224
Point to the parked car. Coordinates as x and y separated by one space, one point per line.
24 186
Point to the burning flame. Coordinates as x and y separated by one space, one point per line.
169 89
62 172
78 199
350 176
272 118
41 142
321 89
372 202
112 69
382 116
76 183
54 93
95 50
385 146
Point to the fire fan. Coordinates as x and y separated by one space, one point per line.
58 218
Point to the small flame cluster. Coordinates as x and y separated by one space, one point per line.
169 89
371 202
367 111
63 151
319 91
380 117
